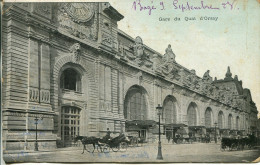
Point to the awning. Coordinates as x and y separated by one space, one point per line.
224 129
211 129
172 125
196 127
140 123
233 130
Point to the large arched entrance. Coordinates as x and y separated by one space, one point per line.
194 129
169 117
192 114
70 88
220 120
208 118
135 106
230 121
221 127
136 112
169 113
210 130
237 123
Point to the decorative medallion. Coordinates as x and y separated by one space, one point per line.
79 20
79 12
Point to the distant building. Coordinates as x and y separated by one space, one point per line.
71 65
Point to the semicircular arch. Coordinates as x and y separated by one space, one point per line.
136 103
192 114
170 110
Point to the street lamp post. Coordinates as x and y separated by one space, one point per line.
159 112
215 132
36 146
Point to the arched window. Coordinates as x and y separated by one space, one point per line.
70 80
237 123
70 120
246 124
208 118
192 114
169 110
229 121
220 120
135 107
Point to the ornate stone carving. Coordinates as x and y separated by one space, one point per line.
138 47
79 20
191 81
34 95
107 40
45 96
44 9
75 52
139 77
167 67
79 12
106 24
169 56
207 77
236 78
140 56
228 74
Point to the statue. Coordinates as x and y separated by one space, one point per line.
207 77
138 47
169 56
141 57
236 78
191 81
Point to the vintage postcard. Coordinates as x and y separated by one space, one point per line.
130 81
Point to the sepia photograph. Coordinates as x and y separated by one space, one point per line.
131 81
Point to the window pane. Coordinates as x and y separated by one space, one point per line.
70 79
71 115
135 105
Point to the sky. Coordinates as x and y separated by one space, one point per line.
232 40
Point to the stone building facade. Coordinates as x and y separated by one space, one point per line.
69 65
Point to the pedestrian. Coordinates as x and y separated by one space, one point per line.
169 138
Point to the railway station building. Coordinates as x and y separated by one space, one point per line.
69 66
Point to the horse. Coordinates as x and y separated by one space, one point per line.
87 140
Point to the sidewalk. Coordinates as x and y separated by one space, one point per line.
41 151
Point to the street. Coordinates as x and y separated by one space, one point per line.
196 152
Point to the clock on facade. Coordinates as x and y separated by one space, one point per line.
79 12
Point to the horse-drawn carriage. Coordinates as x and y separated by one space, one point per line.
205 139
183 139
237 144
104 144
115 144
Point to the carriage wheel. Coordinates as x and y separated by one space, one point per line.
137 142
249 146
106 148
90 148
99 148
123 146
222 148
115 148
134 142
233 147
